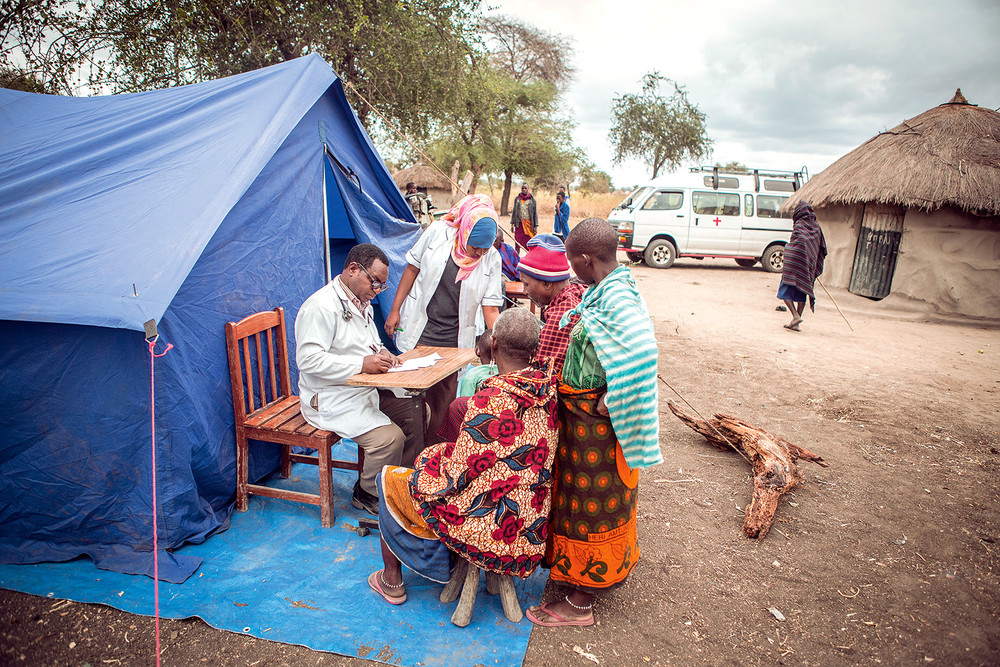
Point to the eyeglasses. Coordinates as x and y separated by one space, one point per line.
377 285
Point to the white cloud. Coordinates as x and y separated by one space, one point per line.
784 83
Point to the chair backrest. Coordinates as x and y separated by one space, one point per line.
259 372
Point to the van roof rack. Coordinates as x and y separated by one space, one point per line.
798 178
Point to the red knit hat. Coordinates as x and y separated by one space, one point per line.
545 259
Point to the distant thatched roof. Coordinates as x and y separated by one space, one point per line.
423 176
948 155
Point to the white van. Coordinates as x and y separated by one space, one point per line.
709 212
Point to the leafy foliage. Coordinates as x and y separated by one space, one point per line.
660 131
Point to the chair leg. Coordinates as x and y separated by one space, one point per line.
286 461
508 598
361 460
325 486
454 585
463 613
242 472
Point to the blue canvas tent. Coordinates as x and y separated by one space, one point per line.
190 206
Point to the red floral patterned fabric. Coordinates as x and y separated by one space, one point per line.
487 495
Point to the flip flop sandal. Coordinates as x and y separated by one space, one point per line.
376 585
558 621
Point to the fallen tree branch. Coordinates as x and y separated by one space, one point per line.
772 458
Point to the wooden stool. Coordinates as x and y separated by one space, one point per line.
465 578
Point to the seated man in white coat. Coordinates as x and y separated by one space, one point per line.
335 338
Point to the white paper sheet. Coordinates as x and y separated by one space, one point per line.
417 362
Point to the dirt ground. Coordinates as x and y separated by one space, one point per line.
889 556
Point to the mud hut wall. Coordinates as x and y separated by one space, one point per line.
840 225
441 198
951 261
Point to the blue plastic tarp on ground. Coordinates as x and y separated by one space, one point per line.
192 206
277 574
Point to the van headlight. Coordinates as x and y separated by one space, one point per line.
625 226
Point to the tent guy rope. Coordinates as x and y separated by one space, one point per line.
151 342
695 410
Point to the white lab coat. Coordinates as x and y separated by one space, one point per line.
330 349
483 287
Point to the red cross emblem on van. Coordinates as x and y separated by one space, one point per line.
717 221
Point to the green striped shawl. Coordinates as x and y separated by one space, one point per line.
617 321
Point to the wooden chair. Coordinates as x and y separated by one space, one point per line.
465 580
266 409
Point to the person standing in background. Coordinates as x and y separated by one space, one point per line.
561 225
524 218
802 263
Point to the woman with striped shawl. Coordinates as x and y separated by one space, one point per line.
609 429
802 263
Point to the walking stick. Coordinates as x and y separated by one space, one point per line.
834 303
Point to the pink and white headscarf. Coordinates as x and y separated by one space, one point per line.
465 214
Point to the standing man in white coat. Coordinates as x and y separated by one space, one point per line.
451 290
336 337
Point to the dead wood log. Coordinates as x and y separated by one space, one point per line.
772 458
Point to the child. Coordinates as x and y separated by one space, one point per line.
469 384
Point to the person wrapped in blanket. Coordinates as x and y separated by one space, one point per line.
802 264
486 496
609 419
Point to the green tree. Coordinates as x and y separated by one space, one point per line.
44 43
733 165
594 180
506 119
661 131
531 138
403 57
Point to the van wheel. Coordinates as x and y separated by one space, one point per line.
634 256
660 254
745 262
773 259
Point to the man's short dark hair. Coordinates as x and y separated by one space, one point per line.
594 237
516 333
364 254
409 184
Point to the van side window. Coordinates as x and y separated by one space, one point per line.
748 206
778 186
768 205
715 203
664 201
724 181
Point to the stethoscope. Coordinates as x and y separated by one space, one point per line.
348 315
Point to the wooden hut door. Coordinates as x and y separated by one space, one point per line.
878 247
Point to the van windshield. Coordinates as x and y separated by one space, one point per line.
633 197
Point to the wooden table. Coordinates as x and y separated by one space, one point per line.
515 290
417 382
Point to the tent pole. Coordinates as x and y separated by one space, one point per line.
326 224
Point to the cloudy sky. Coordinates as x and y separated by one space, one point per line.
785 84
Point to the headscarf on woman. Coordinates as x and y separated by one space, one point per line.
804 253
475 218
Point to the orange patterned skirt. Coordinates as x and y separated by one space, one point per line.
592 541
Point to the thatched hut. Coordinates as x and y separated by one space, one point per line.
913 214
429 181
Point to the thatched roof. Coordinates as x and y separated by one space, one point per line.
946 156
423 175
